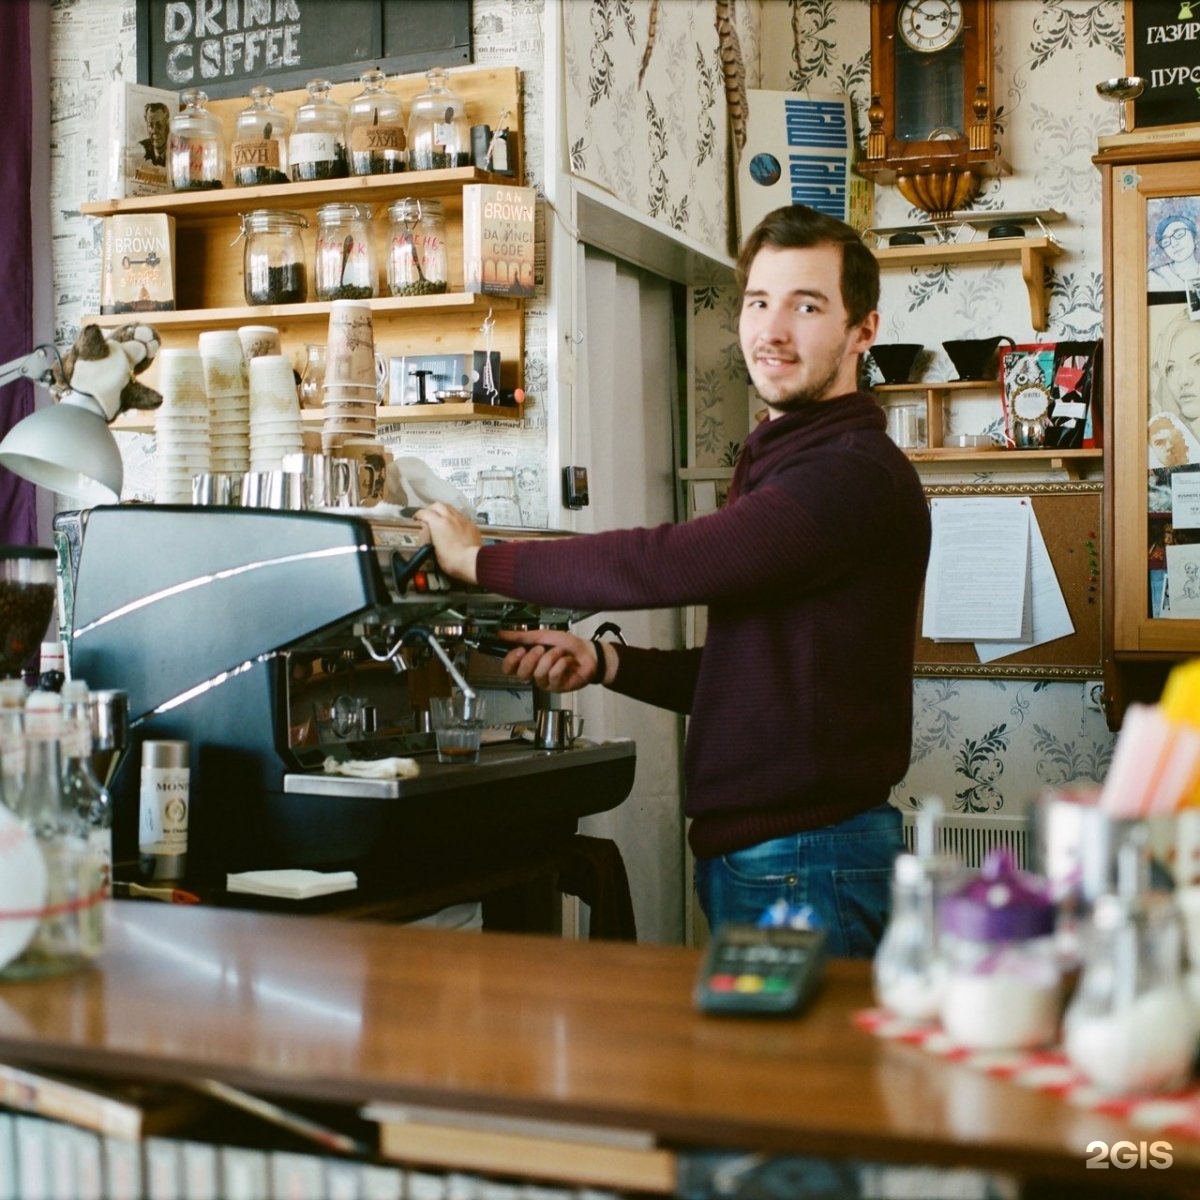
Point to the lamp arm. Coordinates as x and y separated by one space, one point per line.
37 365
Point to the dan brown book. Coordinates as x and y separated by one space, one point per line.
498 233
138 263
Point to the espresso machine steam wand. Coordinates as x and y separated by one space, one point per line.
420 631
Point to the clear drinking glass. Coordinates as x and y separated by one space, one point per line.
458 726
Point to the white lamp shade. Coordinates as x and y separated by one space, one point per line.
68 448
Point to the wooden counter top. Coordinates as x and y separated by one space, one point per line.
602 1033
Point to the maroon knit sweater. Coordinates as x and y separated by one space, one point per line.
801 697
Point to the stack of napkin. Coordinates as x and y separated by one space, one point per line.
291 884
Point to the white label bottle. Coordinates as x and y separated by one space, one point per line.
163 810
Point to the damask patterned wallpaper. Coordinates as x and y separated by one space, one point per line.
640 124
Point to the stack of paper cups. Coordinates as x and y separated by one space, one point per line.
274 412
350 400
181 425
228 389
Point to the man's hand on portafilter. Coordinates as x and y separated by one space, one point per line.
554 660
456 539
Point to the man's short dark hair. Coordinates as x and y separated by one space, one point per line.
797 225
156 107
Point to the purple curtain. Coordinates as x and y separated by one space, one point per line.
18 508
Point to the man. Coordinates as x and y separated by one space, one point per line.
801 698
158 126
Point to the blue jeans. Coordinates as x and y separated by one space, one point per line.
843 871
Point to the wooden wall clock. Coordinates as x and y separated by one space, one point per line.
931 101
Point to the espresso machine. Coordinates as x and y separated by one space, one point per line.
275 641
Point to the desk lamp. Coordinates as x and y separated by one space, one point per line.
67 446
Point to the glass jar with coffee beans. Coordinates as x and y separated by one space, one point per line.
273 258
378 143
260 141
196 145
416 260
439 135
345 253
317 146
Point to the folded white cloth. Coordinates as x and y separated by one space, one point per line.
292 883
374 768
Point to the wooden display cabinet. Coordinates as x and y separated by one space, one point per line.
1152 540
208 253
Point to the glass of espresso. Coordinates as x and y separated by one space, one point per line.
458 726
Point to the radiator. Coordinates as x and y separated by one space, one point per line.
971 837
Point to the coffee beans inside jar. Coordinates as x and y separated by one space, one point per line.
416 264
273 259
25 610
259 150
317 146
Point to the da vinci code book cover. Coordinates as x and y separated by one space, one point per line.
498 239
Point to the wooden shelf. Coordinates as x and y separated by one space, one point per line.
143 421
1031 252
258 314
364 189
209 252
938 392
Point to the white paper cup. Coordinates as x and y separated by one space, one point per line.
273 387
258 340
224 362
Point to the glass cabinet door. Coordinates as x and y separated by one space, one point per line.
1152 411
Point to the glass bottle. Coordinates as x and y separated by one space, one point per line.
438 133
83 791
260 141
312 381
378 142
1130 1026
273 258
163 810
12 736
68 933
908 971
345 253
196 145
52 666
317 146
416 260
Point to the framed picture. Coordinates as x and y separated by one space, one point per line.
226 49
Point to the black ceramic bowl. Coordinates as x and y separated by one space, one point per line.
1006 231
895 359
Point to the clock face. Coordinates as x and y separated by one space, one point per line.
930 25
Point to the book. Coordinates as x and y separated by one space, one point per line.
138 263
138 120
539 1149
498 239
1149 136
125 1110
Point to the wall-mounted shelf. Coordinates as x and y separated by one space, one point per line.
136 421
1031 252
938 394
209 270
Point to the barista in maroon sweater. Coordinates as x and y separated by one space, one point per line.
801 697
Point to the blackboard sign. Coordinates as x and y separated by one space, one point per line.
227 46
1162 45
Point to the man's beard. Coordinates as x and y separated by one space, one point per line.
809 394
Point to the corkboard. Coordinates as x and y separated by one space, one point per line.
1069 515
